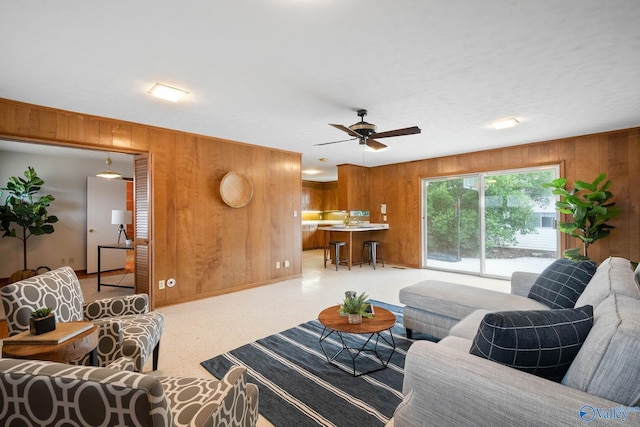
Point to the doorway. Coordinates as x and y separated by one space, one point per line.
72 231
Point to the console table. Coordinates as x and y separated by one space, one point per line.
121 246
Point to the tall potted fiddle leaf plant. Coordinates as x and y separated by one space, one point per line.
23 215
590 208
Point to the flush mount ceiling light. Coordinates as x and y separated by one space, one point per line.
109 174
504 123
311 171
167 92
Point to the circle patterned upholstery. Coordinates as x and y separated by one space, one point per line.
126 327
35 393
58 289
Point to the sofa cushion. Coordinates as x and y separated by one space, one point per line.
561 283
458 343
467 328
614 275
540 342
608 364
456 301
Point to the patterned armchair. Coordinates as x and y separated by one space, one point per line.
37 393
127 328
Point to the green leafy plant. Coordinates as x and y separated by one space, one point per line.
590 207
41 312
356 305
22 211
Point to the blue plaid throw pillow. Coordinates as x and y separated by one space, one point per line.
561 283
540 342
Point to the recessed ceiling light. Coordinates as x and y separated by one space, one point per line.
311 171
167 92
504 123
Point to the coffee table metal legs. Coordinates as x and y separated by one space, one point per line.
370 346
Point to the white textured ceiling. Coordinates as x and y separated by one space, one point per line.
276 72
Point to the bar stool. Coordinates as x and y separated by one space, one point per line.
373 252
336 249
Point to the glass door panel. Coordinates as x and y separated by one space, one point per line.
519 215
452 216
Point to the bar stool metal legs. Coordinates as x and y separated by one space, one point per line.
327 252
373 252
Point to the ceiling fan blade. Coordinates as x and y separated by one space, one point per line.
347 130
374 145
335 142
398 132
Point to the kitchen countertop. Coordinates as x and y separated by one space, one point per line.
358 227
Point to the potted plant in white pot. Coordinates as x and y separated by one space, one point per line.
356 307
589 208
22 216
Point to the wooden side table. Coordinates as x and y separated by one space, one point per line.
53 346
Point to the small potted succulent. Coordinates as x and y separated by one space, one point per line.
42 320
356 307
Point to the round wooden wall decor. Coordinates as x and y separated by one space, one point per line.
236 189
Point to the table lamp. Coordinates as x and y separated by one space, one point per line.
119 217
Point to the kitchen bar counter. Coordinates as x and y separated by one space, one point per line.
350 229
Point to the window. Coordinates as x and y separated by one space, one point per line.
491 223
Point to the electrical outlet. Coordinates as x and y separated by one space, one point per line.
277 264
161 284
71 260
286 263
61 261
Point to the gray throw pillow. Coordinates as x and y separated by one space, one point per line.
540 342
561 283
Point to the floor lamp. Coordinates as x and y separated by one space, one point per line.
120 217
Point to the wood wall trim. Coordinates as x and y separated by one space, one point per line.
22 121
208 247
616 153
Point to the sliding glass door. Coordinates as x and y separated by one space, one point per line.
452 232
490 223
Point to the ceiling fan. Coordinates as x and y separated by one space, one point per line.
366 132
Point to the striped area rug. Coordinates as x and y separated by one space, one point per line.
298 387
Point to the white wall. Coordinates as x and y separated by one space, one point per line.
65 178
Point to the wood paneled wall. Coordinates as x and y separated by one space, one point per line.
207 246
616 153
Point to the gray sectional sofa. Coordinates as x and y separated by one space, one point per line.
446 385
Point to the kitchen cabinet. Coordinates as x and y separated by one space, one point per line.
311 237
305 199
330 200
353 187
312 196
